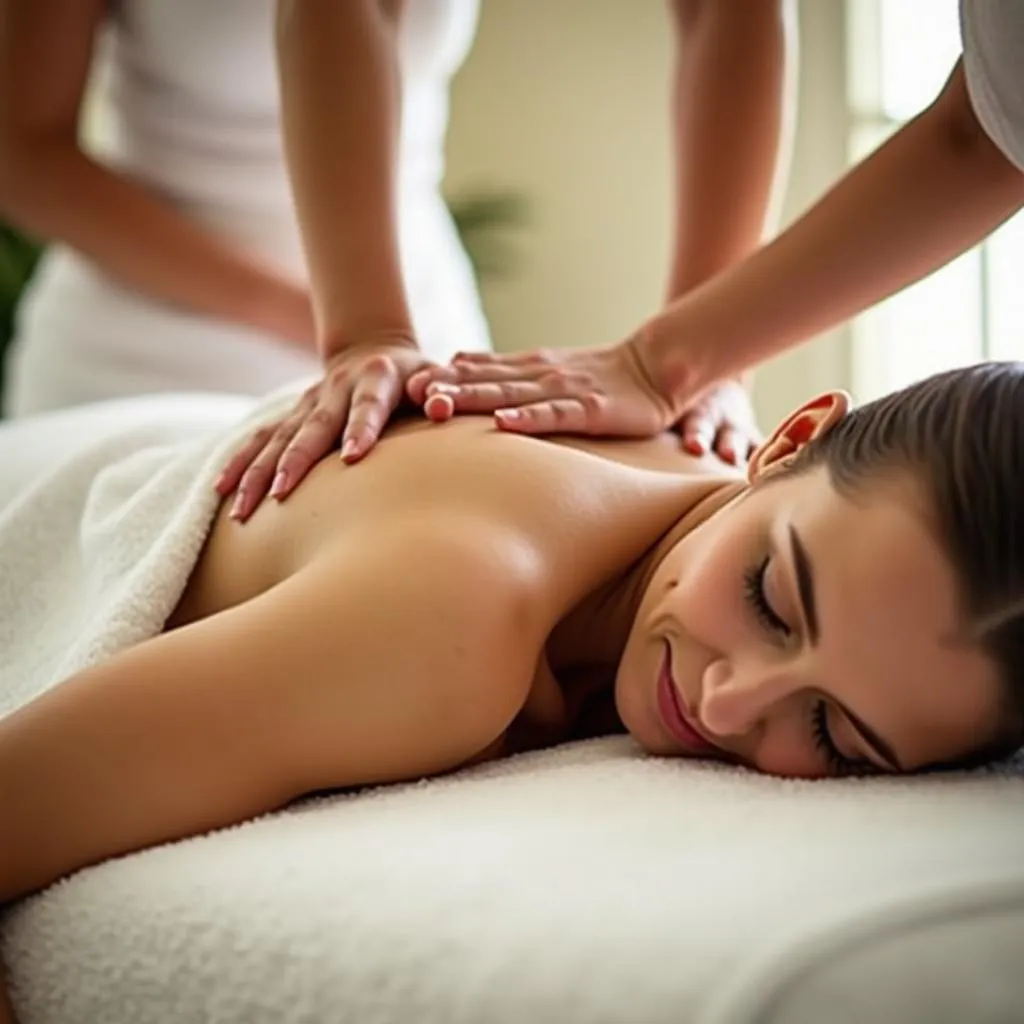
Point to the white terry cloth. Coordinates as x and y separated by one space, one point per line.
96 550
582 885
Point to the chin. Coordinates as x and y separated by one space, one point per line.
635 704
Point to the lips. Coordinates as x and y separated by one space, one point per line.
674 715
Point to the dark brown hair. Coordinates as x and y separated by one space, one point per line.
961 435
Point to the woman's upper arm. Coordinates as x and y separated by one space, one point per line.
46 49
386 661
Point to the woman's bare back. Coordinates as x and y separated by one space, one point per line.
591 506
390 621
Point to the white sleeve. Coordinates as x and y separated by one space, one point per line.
993 37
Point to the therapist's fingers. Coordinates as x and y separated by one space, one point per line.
482 398
232 473
374 399
316 433
257 479
439 408
558 416
462 374
697 430
417 384
527 368
731 446
543 356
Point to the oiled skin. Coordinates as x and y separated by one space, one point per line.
592 517
461 594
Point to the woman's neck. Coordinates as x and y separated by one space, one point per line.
591 638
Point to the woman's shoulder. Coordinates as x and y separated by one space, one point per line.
551 515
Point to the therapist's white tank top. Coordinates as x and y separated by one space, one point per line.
189 106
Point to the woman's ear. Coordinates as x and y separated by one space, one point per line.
814 419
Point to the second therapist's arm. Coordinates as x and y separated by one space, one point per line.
935 189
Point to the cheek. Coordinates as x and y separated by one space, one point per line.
707 599
786 750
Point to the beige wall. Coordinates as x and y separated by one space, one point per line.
566 101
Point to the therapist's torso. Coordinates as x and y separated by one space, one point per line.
187 104
993 40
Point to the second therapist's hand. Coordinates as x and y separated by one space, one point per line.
605 391
612 392
361 387
721 421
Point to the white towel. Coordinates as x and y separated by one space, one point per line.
95 553
583 885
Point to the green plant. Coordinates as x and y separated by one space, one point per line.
18 257
483 220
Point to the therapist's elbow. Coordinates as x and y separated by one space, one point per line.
965 139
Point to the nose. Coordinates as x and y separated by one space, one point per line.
736 698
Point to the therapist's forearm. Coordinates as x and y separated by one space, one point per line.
53 191
727 128
341 98
931 192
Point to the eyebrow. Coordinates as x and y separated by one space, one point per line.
804 584
805 588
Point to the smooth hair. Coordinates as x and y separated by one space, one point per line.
960 434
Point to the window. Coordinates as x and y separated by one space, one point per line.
973 308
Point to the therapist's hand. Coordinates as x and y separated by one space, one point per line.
606 391
611 391
362 386
722 420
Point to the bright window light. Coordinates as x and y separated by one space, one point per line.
973 308
920 43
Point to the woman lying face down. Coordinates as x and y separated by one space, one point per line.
852 607
859 608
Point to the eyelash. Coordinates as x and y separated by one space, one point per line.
838 762
753 586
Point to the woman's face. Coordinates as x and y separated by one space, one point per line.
805 634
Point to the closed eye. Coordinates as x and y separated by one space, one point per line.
839 764
754 593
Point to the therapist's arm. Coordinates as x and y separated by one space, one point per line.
931 192
341 109
53 190
728 112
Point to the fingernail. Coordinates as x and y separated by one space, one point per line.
277 488
349 448
508 415
236 507
219 482
694 447
443 389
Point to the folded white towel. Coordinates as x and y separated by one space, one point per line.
95 552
